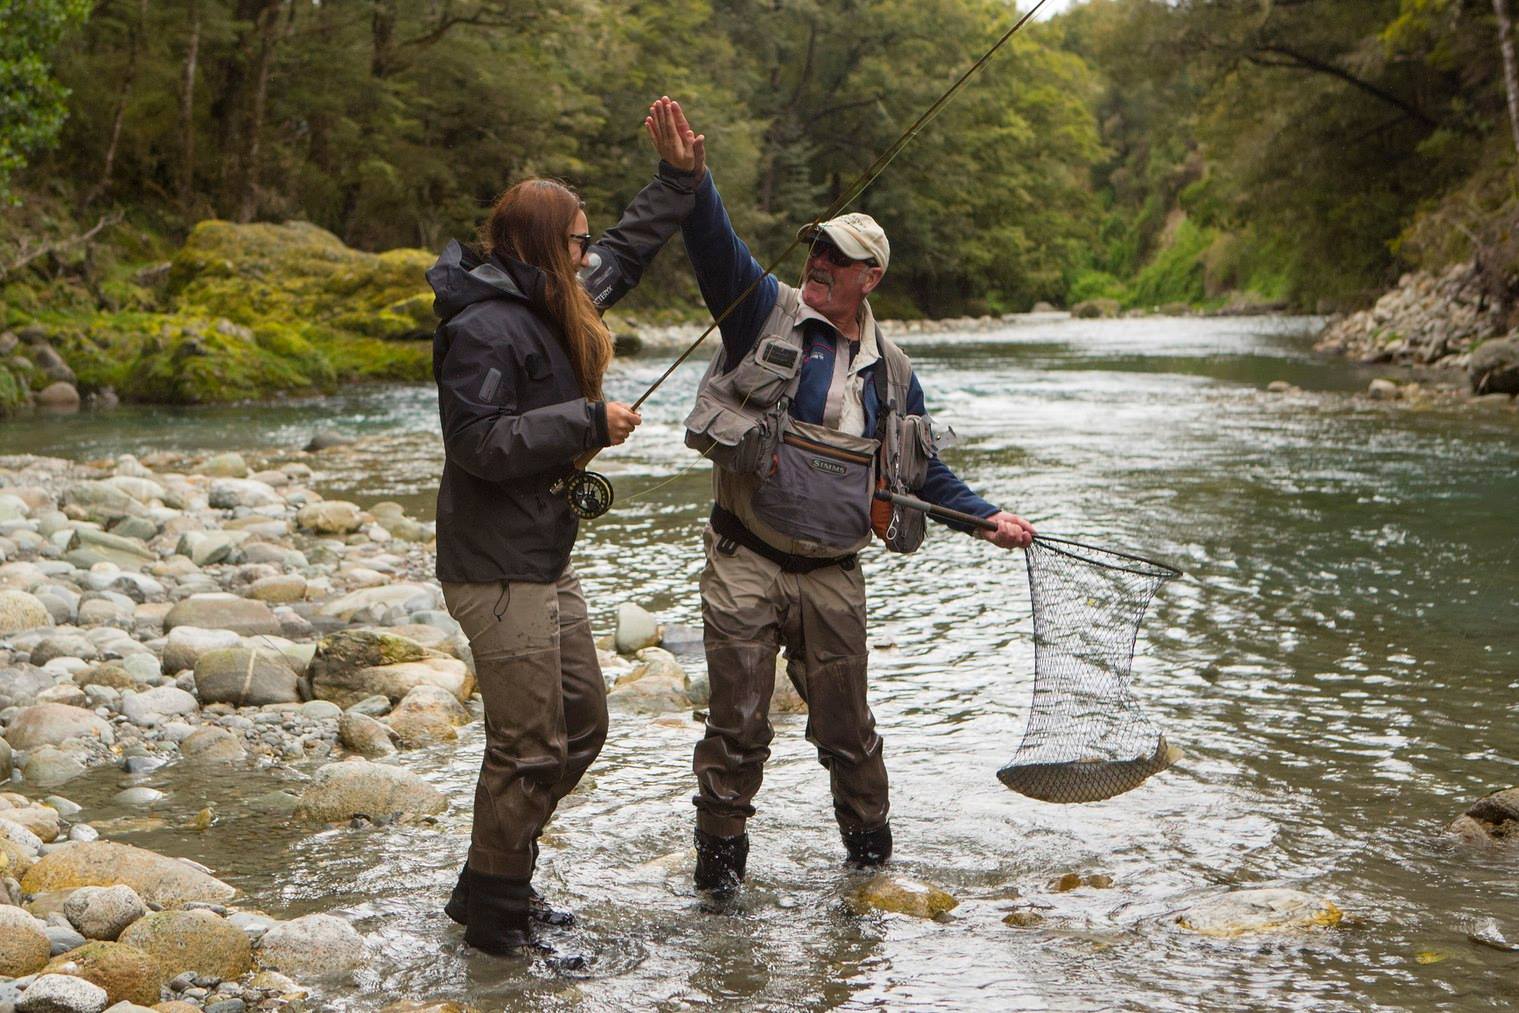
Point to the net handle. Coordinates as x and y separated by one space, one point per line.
1160 570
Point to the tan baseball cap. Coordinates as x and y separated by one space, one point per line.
856 234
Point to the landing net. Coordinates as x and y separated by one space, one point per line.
1086 737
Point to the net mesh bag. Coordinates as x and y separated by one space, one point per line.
1086 737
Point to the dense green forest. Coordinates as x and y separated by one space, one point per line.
1301 153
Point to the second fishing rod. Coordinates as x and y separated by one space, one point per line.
590 494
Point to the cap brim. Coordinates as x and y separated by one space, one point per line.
846 243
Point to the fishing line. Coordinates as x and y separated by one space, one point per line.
591 494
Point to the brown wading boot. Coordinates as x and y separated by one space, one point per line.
496 914
538 909
867 848
720 863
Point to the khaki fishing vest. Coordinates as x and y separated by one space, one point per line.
741 415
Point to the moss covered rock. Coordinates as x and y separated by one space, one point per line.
168 882
298 271
126 973
196 941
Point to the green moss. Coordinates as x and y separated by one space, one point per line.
12 392
298 272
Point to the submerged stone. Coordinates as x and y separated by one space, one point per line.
900 895
1245 912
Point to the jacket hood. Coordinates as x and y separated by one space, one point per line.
463 277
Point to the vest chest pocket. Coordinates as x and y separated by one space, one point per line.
820 485
765 373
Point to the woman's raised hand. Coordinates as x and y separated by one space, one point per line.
621 421
673 137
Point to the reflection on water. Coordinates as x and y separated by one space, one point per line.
1338 665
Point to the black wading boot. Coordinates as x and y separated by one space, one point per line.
538 909
867 848
496 914
720 863
457 907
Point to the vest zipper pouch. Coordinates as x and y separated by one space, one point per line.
820 485
765 373
901 529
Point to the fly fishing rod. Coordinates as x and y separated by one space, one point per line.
589 493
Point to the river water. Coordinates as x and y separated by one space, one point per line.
1338 665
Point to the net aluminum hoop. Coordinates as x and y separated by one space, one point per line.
1137 565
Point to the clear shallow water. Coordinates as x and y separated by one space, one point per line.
1339 665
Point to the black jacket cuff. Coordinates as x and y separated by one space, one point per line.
678 178
599 419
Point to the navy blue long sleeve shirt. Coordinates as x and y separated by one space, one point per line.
725 269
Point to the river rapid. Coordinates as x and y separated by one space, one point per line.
1338 665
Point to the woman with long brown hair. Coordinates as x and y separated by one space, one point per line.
519 358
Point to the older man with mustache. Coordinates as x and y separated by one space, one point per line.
805 412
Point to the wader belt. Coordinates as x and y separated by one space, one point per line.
730 528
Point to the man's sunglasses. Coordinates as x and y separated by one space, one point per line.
821 247
584 239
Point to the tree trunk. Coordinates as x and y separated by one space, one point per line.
134 50
382 33
187 111
1510 76
268 30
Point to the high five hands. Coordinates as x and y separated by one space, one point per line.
674 139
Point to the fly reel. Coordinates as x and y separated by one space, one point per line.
589 494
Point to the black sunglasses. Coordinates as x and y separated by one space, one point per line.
584 239
822 247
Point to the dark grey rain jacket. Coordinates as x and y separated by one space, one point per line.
513 416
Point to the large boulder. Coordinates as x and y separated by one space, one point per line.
103 912
245 677
426 715
24 946
64 645
210 744
168 882
349 650
220 611
362 734
316 946
378 600
47 724
157 705
1494 367
197 941
1246 912
126 973
62 993
347 686
1492 819
20 684
636 629
185 644
900 895
21 611
48 766
655 683
331 517
356 787
127 553
231 493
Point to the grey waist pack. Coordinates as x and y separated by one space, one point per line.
819 485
